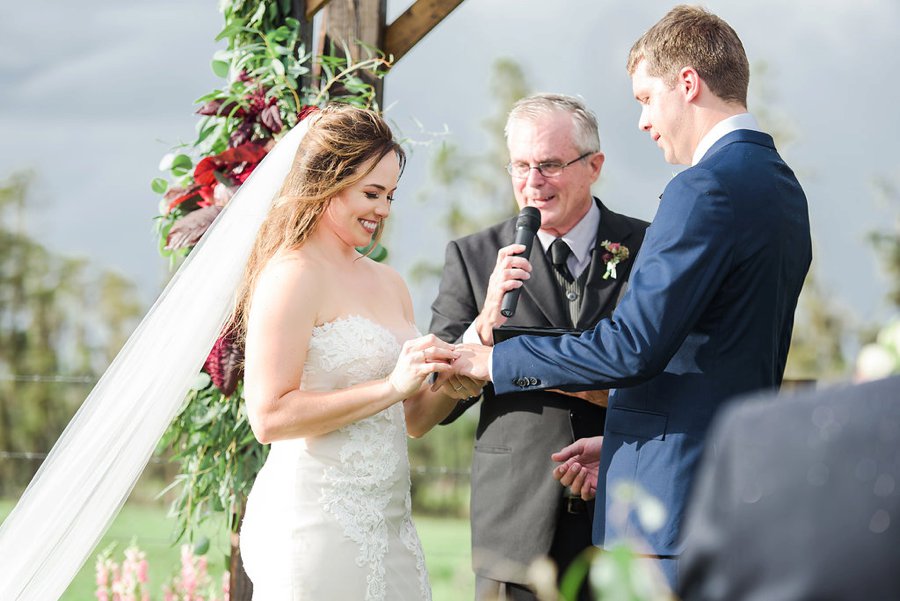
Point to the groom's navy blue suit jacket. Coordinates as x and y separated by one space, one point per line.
707 316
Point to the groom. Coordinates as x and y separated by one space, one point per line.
710 307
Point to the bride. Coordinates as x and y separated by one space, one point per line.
335 377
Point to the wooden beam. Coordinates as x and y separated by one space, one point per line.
299 10
411 26
348 22
314 6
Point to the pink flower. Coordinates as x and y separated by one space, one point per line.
143 571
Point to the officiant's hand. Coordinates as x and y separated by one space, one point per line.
580 465
509 273
473 361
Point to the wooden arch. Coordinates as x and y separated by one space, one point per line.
351 21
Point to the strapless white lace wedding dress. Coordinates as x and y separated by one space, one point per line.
328 518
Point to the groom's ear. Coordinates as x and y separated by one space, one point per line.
689 82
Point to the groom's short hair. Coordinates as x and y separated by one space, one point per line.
691 36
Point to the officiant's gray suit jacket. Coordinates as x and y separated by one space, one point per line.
515 499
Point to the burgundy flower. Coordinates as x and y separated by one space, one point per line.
230 167
221 108
225 363
177 196
305 111
188 230
270 117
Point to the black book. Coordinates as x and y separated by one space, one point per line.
506 332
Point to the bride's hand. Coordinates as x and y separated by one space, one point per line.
419 358
460 387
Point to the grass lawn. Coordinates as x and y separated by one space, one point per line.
446 543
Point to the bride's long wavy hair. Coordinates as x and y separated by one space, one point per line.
342 146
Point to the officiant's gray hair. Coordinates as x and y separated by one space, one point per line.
586 134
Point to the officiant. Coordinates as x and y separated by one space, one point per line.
572 280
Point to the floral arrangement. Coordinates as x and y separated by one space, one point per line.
616 253
125 581
271 83
129 581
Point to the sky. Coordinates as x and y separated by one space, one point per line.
93 94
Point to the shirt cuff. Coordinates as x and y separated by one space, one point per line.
470 336
491 365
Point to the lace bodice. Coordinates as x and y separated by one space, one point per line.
348 351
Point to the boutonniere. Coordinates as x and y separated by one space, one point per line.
615 255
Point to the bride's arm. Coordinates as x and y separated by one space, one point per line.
426 408
282 316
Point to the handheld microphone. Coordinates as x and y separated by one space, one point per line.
527 225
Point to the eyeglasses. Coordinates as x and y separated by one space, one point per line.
550 169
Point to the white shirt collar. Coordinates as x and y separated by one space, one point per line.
581 238
720 129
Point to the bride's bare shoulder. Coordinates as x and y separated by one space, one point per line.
384 271
291 264
292 274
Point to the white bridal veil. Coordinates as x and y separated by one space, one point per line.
94 465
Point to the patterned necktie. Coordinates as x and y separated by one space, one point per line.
559 254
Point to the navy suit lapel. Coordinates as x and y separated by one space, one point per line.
599 293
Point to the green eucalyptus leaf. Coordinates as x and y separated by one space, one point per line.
201 547
159 185
181 161
220 68
257 16
232 29
208 131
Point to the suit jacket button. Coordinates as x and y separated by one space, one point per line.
533 381
520 382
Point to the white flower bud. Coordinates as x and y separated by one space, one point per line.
874 362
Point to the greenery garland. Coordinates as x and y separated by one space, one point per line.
264 65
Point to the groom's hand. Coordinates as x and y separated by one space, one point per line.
473 362
580 466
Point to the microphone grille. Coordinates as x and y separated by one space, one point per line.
529 218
